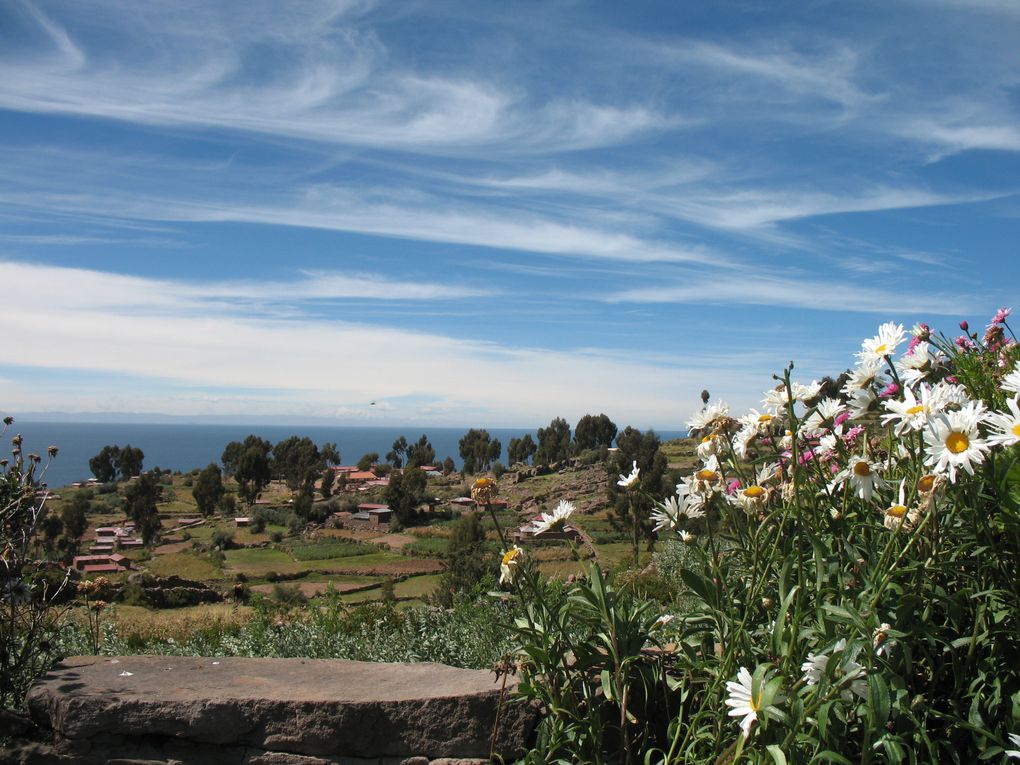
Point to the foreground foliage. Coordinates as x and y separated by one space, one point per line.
849 589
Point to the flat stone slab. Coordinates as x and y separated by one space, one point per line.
303 706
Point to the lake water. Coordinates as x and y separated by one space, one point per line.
184 447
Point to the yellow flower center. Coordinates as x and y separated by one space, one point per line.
915 409
706 439
957 442
926 484
510 555
1015 430
706 475
897 511
754 492
882 349
765 418
862 469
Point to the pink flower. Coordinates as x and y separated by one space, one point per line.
964 343
1000 315
840 419
733 486
964 325
889 391
914 342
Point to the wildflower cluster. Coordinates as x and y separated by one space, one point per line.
836 505
849 581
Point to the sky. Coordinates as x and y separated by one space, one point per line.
488 213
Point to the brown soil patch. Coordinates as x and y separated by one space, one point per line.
407 566
314 589
393 541
176 547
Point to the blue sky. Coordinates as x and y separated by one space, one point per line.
490 213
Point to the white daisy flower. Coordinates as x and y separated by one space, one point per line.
915 366
678 508
627 481
883 344
864 375
851 675
687 537
1006 427
862 476
1014 739
743 440
1011 382
827 443
751 701
556 520
704 419
953 441
751 499
896 514
821 416
742 702
706 481
760 422
807 392
708 446
775 400
861 401
943 394
509 564
911 413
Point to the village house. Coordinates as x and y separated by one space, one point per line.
368 516
101 564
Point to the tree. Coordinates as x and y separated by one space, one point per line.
521 449
406 491
467 558
367 460
421 452
233 451
330 454
553 442
478 450
250 464
208 489
294 459
326 485
104 464
449 465
632 510
397 455
140 506
74 515
129 461
594 432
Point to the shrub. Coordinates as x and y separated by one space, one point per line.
847 571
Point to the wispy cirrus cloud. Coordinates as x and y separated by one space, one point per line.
331 82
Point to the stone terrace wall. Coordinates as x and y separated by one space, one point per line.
161 710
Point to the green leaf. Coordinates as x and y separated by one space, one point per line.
777 754
879 695
700 586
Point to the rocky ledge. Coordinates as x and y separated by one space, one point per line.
161 710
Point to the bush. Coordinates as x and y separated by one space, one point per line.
847 566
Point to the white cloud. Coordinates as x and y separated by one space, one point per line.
306 363
331 81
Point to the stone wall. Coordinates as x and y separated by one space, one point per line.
162 710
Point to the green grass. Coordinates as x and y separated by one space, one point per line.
427 547
329 550
417 586
259 561
184 564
